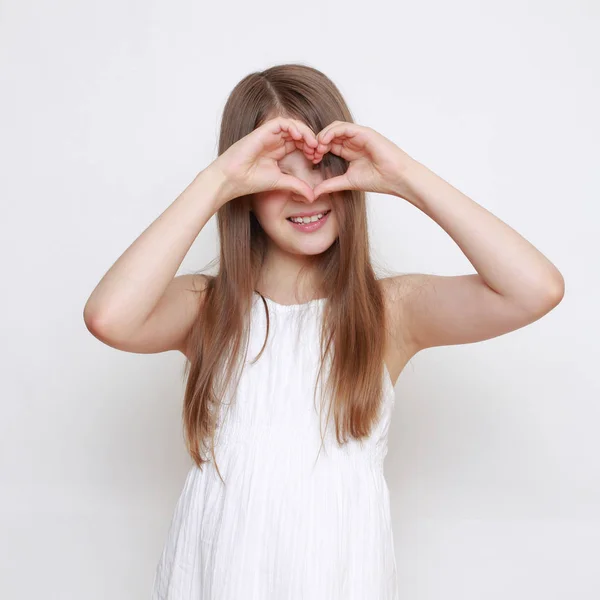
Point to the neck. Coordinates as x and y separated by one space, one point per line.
287 277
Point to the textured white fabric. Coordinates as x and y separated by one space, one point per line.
286 525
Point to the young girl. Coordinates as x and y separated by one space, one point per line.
287 498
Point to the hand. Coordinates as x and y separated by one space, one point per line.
250 165
376 163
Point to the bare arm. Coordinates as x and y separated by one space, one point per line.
515 283
139 305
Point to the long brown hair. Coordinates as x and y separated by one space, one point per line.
352 336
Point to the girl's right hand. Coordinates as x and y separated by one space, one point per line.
251 164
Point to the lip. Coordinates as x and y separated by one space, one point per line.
308 214
312 226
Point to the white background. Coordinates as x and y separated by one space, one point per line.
107 112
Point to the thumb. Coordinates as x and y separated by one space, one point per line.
334 184
293 184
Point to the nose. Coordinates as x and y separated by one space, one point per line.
310 176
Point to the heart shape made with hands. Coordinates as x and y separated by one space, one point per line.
375 163
335 138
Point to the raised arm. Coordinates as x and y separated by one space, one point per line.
515 283
139 305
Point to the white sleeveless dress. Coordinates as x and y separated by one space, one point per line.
286 525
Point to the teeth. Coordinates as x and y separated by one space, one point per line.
307 219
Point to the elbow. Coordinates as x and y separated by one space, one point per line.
96 324
550 296
556 289
93 323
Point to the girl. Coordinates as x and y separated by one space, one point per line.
286 498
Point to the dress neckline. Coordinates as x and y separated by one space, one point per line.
290 307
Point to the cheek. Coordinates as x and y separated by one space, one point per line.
269 208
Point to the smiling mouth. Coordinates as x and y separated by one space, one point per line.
311 219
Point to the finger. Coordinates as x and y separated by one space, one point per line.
283 129
328 127
307 133
293 184
304 138
307 142
307 150
297 135
334 184
300 132
338 130
292 134
293 146
338 147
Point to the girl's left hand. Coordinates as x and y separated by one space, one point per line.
376 164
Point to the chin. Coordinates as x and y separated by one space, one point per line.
310 248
